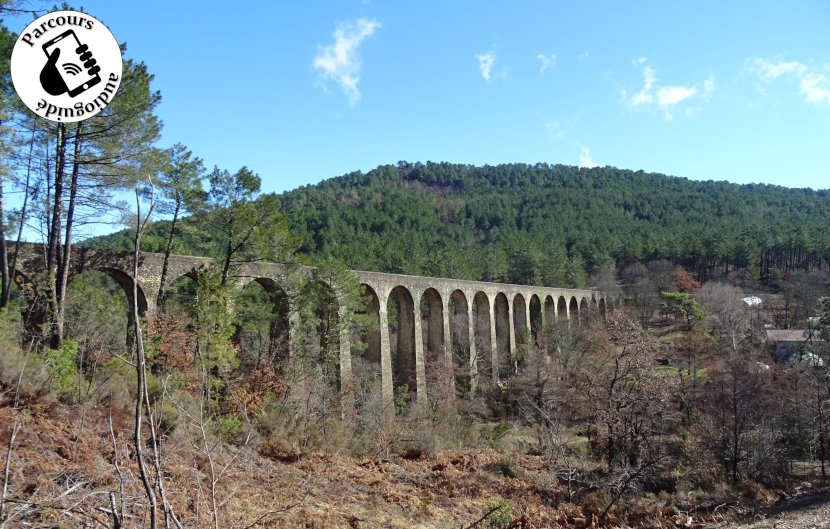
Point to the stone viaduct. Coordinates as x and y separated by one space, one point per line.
482 320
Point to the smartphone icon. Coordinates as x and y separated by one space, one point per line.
69 65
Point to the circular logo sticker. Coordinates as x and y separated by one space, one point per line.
66 66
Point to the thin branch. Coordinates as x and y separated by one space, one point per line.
52 506
264 515
3 500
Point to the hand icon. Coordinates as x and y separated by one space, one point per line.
53 80
50 77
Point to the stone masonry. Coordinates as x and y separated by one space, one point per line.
480 319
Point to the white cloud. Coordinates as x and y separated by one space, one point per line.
666 97
669 96
644 96
585 158
769 70
709 87
339 61
555 130
815 86
546 61
485 62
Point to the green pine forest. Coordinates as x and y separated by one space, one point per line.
540 224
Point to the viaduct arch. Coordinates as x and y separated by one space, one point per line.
465 320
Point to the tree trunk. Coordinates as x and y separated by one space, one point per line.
141 373
227 266
63 273
4 258
164 267
53 244
7 292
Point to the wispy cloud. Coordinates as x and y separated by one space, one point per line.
585 158
768 70
547 62
644 96
555 130
666 97
485 62
814 85
340 61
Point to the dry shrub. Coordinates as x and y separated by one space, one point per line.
595 502
34 379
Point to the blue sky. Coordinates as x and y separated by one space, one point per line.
303 91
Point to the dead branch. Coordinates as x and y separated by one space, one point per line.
48 505
3 500
264 515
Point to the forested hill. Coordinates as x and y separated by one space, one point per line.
541 224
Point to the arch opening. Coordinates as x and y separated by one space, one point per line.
318 333
562 308
602 309
326 308
550 311
595 313
126 283
505 363
181 295
520 323
436 368
535 318
401 319
98 317
370 335
483 362
366 348
263 335
584 311
460 336
180 306
432 322
573 310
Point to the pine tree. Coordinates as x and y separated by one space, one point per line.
180 186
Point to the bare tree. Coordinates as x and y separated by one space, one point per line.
605 280
735 404
661 274
142 394
804 289
641 293
619 396
729 315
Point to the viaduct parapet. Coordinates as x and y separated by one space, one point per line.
481 322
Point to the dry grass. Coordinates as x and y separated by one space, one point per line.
62 474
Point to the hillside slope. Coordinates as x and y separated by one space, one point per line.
542 224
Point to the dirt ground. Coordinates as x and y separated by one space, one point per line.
804 511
